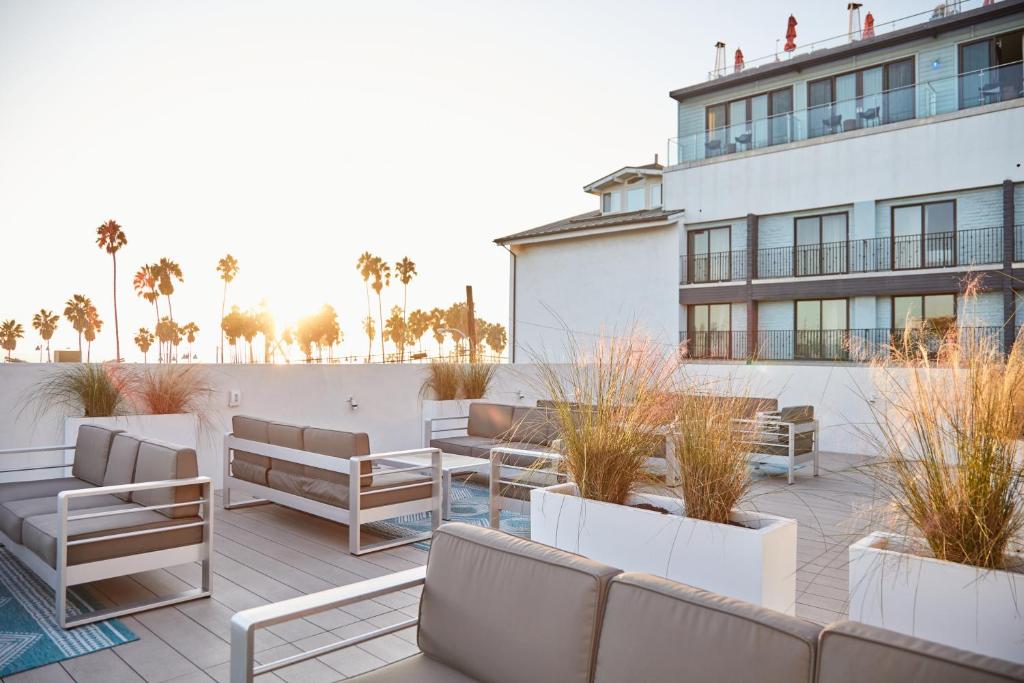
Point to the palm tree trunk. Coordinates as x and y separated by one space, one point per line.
405 303
88 352
380 315
48 351
79 345
117 332
223 303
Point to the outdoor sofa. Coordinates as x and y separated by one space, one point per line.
788 437
498 608
330 474
131 504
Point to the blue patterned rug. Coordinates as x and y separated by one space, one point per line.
29 634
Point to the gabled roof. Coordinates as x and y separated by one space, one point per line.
624 174
592 220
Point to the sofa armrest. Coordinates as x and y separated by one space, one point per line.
36 449
244 624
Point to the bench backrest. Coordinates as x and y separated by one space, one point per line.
533 425
124 451
160 461
500 608
92 448
489 420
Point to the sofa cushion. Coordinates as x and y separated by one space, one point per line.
489 419
797 414
91 451
332 493
160 461
14 512
320 484
464 445
850 651
40 535
474 574
533 425
246 465
693 635
418 668
286 436
40 488
124 450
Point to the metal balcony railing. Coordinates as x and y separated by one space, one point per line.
1018 242
722 266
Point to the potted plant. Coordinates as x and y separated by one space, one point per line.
614 409
944 567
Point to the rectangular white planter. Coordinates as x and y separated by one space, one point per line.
973 609
755 562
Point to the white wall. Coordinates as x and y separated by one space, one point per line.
915 158
600 285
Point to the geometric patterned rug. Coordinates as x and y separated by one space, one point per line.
29 633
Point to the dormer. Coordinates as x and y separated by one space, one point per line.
631 188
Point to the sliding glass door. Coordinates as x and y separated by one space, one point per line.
710 331
710 255
821 329
821 245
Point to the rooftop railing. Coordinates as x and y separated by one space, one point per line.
938 96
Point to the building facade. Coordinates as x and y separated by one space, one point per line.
834 200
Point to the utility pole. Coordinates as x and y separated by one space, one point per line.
471 324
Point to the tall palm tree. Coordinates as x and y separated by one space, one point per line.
93 325
419 323
167 271
10 332
228 269
76 310
144 339
381 278
406 270
144 283
45 322
437 326
110 237
365 267
190 330
165 331
371 331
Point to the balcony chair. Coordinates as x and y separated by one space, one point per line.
870 116
832 124
745 140
788 436
712 148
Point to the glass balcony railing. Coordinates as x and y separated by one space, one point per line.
929 98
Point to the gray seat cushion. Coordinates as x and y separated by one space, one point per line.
319 484
159 461
490 420
418 668
124 450
246 465
39 535
851 651
91 451
464 445
41 488
14 512
660 630
484 586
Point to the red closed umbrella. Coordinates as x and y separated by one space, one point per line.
869 27
790 35
738 64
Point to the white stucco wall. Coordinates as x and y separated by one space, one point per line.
595 285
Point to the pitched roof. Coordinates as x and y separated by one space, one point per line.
589 221
625 173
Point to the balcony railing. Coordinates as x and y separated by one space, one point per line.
863 345
938 96
722 266
1018 241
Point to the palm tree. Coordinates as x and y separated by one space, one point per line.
406 270
144 283
93 325
365 266
144 339
437 326
45 322
381 278
190 330
167 271
371 331
76 310
111 238
10 332
165 331
228 269
497 338
419 323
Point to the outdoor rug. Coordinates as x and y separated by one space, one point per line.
29 634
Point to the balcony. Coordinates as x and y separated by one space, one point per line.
921 100
863 345
1018 241
722 266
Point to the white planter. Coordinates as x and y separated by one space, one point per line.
973 609
181 428
755 562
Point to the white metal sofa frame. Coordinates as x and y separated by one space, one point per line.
756 433
355 516
63 576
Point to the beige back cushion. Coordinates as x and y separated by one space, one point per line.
339 445
500 608
533 425
490 420
851 651
92 449
124 450
660 630
158 461
254 466
287 436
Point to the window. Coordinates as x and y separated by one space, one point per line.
749 123
821 244
710 255
924 235
928 317
611 202
710 331
991 70
655 195
867 97
635 198
821 329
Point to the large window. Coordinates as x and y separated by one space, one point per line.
710 255
655 195
611 202
710 331
821 329
863 98
923 320
635 198
749 122
924 235
991 70
821 244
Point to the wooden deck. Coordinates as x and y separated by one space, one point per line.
269 553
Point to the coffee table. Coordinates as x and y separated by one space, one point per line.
451 463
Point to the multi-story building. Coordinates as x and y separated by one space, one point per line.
831 198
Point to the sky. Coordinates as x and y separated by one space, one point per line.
297 135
